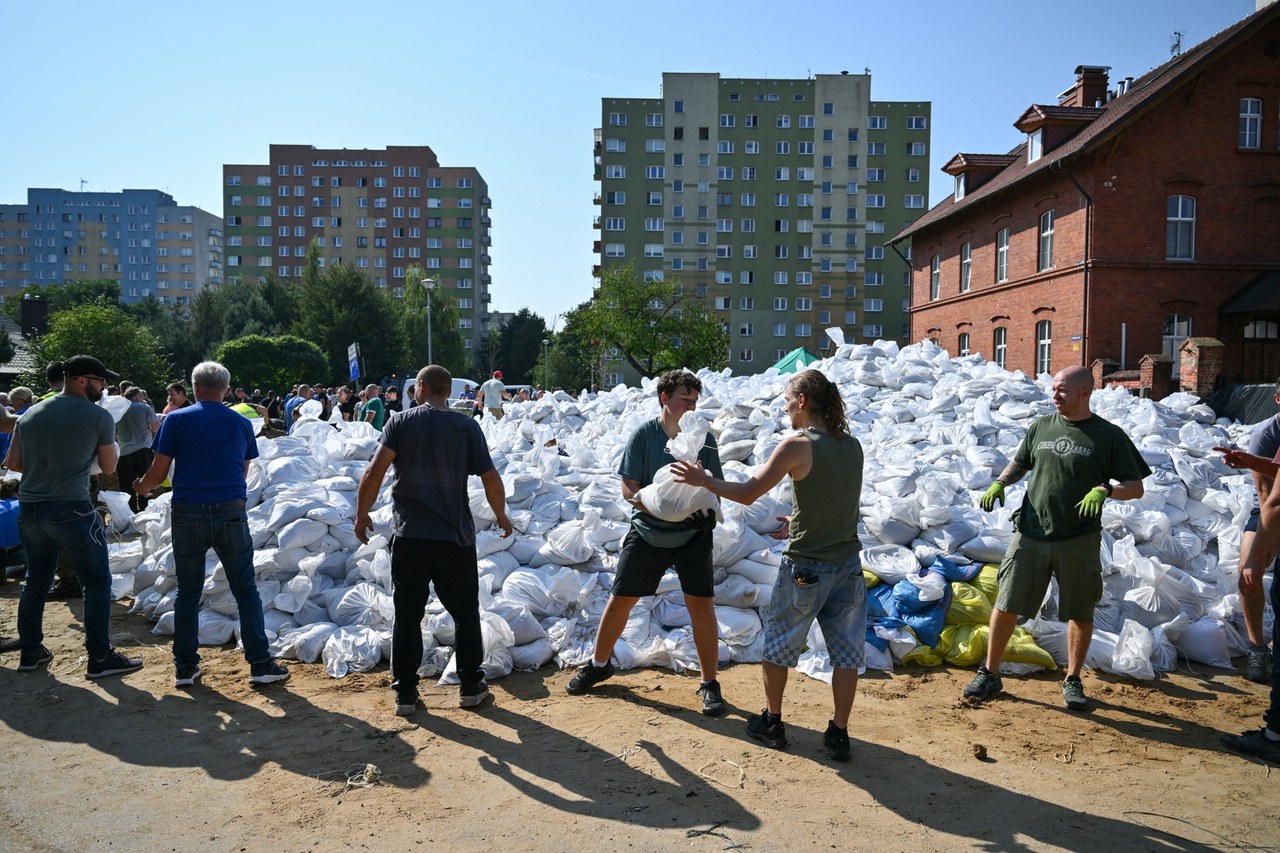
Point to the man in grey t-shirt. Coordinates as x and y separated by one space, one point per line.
138 425
54 446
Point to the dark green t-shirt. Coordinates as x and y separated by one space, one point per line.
824 510
644 455
1067 459
379 412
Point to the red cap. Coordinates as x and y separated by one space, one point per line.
497 374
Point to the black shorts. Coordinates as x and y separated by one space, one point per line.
641 566
1251 526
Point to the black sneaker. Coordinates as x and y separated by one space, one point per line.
712 702
406 702
267 672
65 590
773 736
113 664
185 676
984 685
1254 743
1258 665
589 676
1073 694
33 660
471 695
837 742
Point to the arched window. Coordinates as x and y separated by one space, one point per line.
1046 241
935 277
966 264
1002 254
1044 346
1180 228
962 346
1000 345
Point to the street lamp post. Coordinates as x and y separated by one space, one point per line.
429 284
546 367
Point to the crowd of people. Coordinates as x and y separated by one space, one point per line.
1077 461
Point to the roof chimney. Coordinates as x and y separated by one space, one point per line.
1091 85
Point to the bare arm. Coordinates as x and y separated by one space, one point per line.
13 461
496 495
7 421
1129 490
1239 459
1012 473
108 456
156 474
793 456
367 493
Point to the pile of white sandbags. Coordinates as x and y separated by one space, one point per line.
936 431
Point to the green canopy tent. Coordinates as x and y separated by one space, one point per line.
796 360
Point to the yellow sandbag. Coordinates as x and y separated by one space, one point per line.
969 606
922 655
870 577
986 582
1022 648
968 644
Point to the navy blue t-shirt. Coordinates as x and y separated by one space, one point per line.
435 452
209 444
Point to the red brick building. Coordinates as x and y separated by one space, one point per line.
1132 217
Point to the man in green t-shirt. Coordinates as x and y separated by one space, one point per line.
1075 456
653 545
373 411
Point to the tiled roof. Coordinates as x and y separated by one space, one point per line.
22 359
1113 116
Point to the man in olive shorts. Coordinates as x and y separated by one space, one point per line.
653 545
1075 456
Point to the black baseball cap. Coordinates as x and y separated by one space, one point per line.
87 365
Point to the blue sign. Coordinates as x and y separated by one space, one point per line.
354 366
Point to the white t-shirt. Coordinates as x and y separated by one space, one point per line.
492 392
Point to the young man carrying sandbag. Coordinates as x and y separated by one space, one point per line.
653 545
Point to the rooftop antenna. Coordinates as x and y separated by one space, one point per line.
83 184
1175 43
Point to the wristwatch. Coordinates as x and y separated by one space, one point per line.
1110 488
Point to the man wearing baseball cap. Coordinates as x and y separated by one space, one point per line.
54 445
493 393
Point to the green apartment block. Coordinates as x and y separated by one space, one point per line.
771 200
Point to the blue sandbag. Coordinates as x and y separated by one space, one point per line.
880 601
952 571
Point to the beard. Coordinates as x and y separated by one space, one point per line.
94 393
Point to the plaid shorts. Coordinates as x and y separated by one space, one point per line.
833 593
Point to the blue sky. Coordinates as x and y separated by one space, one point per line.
161 94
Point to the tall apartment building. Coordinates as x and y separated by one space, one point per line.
141 238
771 200
379 211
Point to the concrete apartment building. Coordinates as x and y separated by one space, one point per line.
771 200
1133 216
377 210
143 239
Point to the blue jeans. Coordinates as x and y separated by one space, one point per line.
73 527
224 527
1272 715
835 594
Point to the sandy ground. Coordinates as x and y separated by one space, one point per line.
133 763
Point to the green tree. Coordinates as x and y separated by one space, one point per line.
570 355
447 346
340 306
107 332
68 294
520 346
654 325
256 361
7 350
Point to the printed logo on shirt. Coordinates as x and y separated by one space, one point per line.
1065 447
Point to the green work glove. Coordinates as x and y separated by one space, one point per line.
994 492
1091 505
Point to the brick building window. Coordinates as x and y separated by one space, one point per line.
1044 346
962 346
1002 254
966 267
935 277
1046 241
1177 328
1000 345
1250 123
1180 229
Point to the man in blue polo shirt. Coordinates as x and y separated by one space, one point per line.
210 447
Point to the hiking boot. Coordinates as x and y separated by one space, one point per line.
1254 743
984 685
33 660
712 701
113 663
185 676
406 702
267 672
1258 665
65 590
837 742
1073 694
773 736
589 676
471 695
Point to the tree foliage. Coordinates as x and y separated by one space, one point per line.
339 306
107 332
654 325
68 294
278 362
520 346
570 362
447 346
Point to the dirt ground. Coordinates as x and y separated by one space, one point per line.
133 763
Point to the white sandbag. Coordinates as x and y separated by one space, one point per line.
498 641
214 628
352 648
124 557
1205 641
533 655
668 500
544 593
524 627
754 571
736 591
364 605
1132 656
300 533
570 543
293 594
121 516
737 625
890 563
